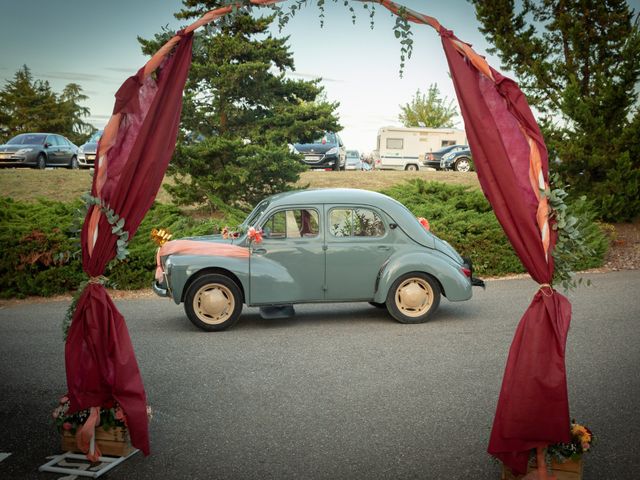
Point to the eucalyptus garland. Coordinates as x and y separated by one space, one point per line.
571 245
117 228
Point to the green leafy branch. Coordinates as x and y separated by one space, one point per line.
116 222
402 31
117 228
571 246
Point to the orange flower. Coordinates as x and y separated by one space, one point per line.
255 235
424 222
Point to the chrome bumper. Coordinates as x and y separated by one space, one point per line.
159 290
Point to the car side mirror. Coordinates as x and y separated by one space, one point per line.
47 145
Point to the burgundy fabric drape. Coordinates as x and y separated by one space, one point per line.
533 407
100 362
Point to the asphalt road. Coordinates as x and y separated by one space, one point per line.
340 391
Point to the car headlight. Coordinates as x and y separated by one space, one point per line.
80 154
22 151
333 151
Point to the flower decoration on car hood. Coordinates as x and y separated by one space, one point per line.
161 236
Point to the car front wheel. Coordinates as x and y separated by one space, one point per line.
413 298
213 302
73 164
463 164
41 162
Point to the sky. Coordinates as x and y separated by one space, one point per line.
93 43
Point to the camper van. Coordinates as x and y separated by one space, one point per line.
400 148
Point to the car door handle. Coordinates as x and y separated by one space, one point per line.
259 251
384 248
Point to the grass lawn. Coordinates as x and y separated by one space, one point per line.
67 185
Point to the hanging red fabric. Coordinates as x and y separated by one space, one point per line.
533 408
100 361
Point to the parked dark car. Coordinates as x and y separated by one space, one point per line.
327 152
460 161
39 150
432 159
87 152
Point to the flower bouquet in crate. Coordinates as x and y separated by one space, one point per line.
563 459
111 434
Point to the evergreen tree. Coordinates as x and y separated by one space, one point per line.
428 110
28 105
578 62
241 112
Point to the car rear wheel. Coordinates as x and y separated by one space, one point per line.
463 164
411 168
41 162
413 298
73 164
213 302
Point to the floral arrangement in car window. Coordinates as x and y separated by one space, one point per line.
581 442
227 233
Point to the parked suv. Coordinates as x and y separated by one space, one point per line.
460 161
327 152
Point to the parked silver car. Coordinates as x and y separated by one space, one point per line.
39 150
87 153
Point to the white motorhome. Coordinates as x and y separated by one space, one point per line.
401 148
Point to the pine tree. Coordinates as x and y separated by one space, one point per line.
428 110
28 105
240 112
578 62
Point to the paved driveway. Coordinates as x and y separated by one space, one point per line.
338 392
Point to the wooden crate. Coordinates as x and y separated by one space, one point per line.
569 470
113 442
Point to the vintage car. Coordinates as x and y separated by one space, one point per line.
325 245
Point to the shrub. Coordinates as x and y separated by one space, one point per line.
463 217
42 256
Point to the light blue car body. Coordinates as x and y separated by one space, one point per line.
325 267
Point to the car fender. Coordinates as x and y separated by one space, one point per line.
455 285
184 269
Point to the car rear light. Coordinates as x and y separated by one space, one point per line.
466 271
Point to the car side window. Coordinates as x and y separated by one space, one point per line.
357 222
52 140
291 224
62 141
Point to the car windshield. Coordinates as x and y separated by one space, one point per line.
95 138
256 214
326 138
27 139
352 160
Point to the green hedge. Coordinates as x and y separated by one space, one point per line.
41 255
462 216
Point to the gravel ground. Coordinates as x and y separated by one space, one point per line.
624 253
